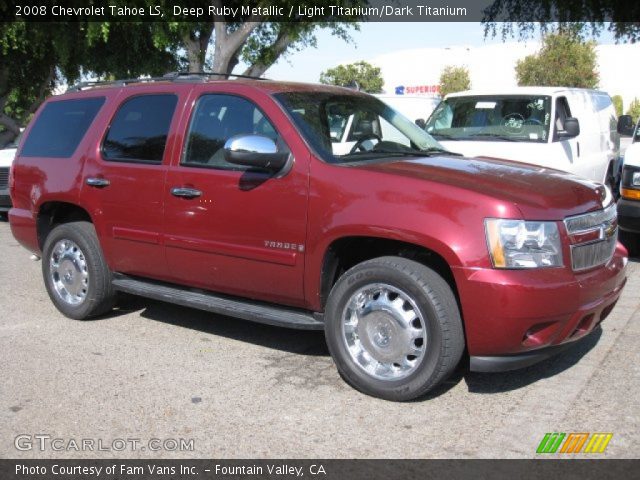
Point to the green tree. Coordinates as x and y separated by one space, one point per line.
526 17
35 58
634 110
564 60
223 42
454 79
365 75
618 104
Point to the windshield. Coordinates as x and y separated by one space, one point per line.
521 118
351 128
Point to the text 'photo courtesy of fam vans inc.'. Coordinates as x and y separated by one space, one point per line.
569 129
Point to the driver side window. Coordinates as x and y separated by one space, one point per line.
562 113
215 119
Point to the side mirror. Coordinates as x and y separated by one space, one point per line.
571 128
254 151
421 123
625 125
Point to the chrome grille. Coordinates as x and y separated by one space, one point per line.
4 177
593 254
601 230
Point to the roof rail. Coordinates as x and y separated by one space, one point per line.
206 75
168 77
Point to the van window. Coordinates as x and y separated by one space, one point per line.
602 101
60 127
138 132
520 118
562 113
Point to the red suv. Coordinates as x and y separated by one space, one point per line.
232 196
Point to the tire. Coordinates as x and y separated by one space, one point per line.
630 241
393 328
610 182
75 272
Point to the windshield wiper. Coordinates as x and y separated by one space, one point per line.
432 150
445 136
493 135
418 153
410 153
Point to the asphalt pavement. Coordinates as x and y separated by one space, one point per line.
153 380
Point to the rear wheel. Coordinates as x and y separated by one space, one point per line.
393 328
75 273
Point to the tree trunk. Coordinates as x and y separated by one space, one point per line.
280 46
194 53
228 45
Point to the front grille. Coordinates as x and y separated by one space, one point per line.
4 178
593 254
600 233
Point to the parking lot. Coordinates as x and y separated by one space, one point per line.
241 390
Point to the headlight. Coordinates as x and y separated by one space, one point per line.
520 244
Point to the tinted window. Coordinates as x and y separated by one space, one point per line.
60 127
139 130
217 118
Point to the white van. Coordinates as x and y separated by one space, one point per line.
570 129
6 159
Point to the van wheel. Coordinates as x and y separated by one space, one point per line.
75 273
630 241
393 328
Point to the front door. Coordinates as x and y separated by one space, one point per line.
229 229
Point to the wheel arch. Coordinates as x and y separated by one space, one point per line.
53 213
347 251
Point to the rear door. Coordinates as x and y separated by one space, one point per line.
124 178
242 232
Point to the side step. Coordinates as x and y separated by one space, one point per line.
224 305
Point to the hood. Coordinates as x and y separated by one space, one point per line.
540 193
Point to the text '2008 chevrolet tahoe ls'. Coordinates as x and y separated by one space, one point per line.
227 195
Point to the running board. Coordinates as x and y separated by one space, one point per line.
246 309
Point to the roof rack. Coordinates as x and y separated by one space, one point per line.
168 77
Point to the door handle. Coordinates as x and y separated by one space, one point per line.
97 182
185 192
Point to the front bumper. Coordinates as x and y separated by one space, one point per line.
514 318
505 363
629 215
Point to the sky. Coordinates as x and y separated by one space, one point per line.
378 38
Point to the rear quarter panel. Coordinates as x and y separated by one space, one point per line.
37 180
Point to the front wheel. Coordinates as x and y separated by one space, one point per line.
75 272
393 328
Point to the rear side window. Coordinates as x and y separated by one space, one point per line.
138 132
60 127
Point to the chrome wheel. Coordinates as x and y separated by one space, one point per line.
68 272
384 331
